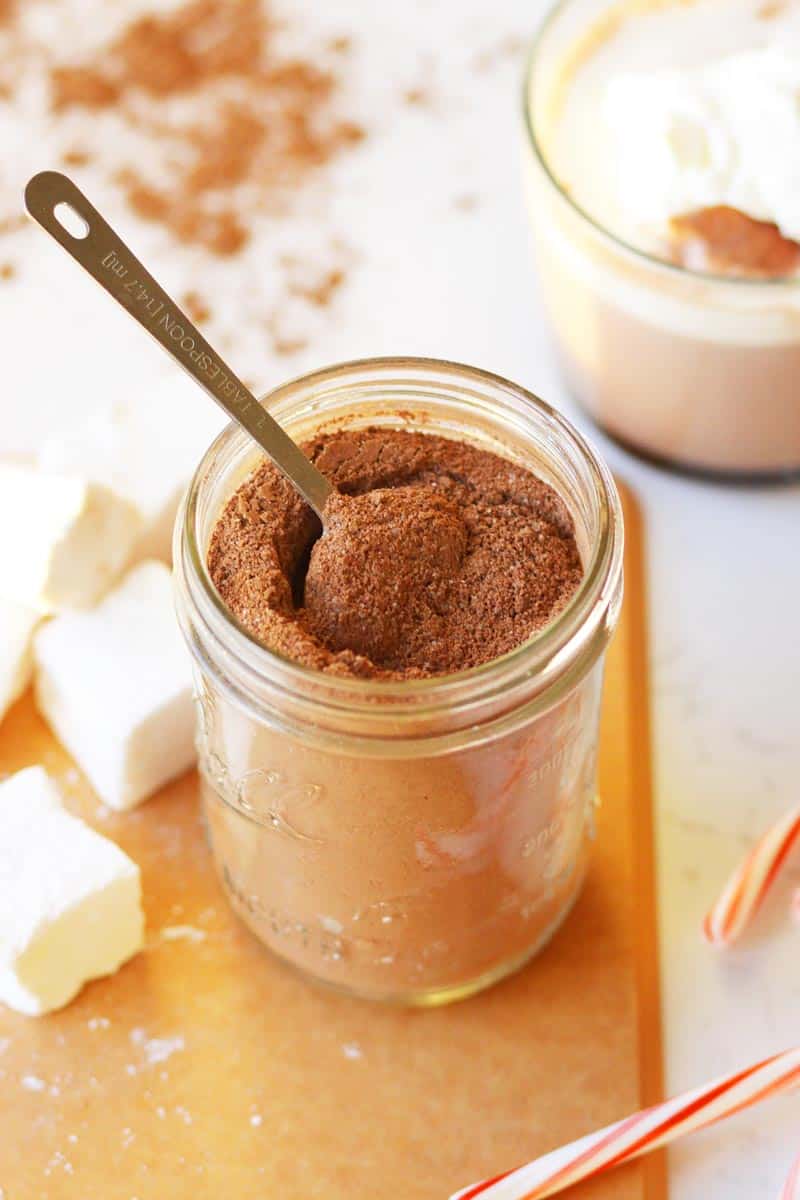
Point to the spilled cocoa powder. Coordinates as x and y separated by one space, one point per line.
75 158
233 127
437 556
265 124
196 307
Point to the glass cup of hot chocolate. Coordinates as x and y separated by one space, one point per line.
663 163
398 720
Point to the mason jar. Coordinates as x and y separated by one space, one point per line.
691 369
410 841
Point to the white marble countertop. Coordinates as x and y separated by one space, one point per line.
432 208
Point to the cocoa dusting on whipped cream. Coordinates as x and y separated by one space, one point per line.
729 242
437 556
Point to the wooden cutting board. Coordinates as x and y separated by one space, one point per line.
205 1069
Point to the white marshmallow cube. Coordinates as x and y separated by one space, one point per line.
115 685
71 906
63 541
17 624
144 448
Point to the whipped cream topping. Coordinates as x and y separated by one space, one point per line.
726 132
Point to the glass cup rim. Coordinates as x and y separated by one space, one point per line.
526 660
785 283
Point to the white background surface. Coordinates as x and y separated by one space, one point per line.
430 276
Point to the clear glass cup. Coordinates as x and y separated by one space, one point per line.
409 841
691 369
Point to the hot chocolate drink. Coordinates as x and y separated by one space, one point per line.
664 139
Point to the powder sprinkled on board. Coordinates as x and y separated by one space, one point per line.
156 1050
32 1083
181 933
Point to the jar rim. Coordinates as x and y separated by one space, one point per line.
782 283
542 651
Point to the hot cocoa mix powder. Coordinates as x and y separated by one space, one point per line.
437 556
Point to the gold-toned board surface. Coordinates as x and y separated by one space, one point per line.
206 1069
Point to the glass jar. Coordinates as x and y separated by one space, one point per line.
409 841
690 369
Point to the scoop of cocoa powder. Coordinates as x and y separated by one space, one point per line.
380 578
437 556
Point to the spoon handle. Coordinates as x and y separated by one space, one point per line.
94 244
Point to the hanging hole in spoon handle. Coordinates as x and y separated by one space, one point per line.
71 220
60 207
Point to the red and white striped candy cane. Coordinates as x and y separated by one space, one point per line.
644 1131
748 886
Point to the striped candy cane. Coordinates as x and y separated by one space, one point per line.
748 886
644 1131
